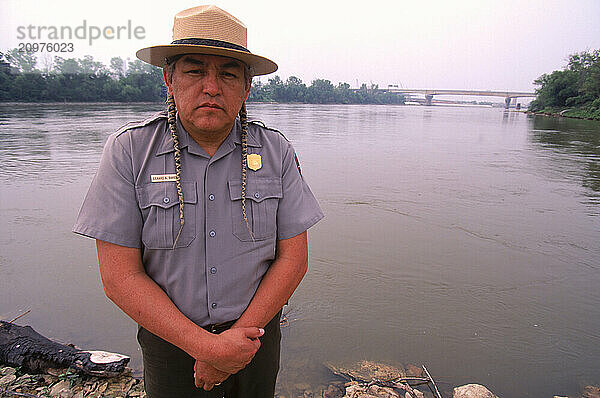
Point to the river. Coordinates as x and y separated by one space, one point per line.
462 238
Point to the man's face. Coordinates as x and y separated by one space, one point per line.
209 91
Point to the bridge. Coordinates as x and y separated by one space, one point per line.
507 95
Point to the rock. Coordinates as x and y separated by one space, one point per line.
59 387
49 379
355 390
5 380
334 391
66 394
472 391
382 392
412 370
368 370
417 394
8 371
591 392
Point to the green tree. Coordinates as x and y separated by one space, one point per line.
90 67
277 89
577 85
295 90
117 67
24 61
67 66
321 91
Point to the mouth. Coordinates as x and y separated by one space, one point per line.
209 105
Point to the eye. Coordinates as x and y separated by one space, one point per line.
229 75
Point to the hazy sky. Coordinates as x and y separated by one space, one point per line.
418 44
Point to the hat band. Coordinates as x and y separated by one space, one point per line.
211 43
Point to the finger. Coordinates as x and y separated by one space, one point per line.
253 333
198 380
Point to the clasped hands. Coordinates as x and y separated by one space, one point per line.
230 352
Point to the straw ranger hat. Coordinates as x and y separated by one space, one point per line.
208 30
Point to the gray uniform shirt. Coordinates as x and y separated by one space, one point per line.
214 271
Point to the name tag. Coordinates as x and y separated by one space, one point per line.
162 177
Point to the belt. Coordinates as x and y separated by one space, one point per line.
219 327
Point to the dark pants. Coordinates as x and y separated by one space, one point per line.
169 371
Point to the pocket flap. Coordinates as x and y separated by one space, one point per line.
257 189
164 194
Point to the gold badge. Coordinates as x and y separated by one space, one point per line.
254 161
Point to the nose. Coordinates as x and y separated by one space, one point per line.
211 84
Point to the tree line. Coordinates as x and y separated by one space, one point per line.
575 89
85 80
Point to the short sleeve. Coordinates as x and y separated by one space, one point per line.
110 211
298 208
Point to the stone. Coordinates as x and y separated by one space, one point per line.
103 387
591 392
472 391
357 391
412 370
8 371
49 379
59 387
66 394
334 391
6 380
368 370
382 392
417 394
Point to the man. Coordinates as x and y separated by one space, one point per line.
200 219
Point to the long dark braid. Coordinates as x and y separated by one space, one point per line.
244 140
173 129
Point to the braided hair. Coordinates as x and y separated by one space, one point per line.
172 122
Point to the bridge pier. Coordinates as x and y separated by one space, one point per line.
507 102
428 98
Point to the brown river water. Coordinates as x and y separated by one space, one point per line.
462 238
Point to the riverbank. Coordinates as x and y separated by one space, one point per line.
65 383
586 113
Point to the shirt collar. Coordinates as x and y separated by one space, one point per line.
185 140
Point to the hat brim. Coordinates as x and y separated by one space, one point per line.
156 55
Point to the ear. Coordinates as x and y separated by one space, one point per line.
167 81
247 91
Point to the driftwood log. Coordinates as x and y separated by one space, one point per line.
21 346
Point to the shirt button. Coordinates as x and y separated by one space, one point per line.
212 234
166 200
214 305
257 195
213 270
211 197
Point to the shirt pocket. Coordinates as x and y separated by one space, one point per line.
262 201
160 210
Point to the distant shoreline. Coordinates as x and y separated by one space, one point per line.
563 114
